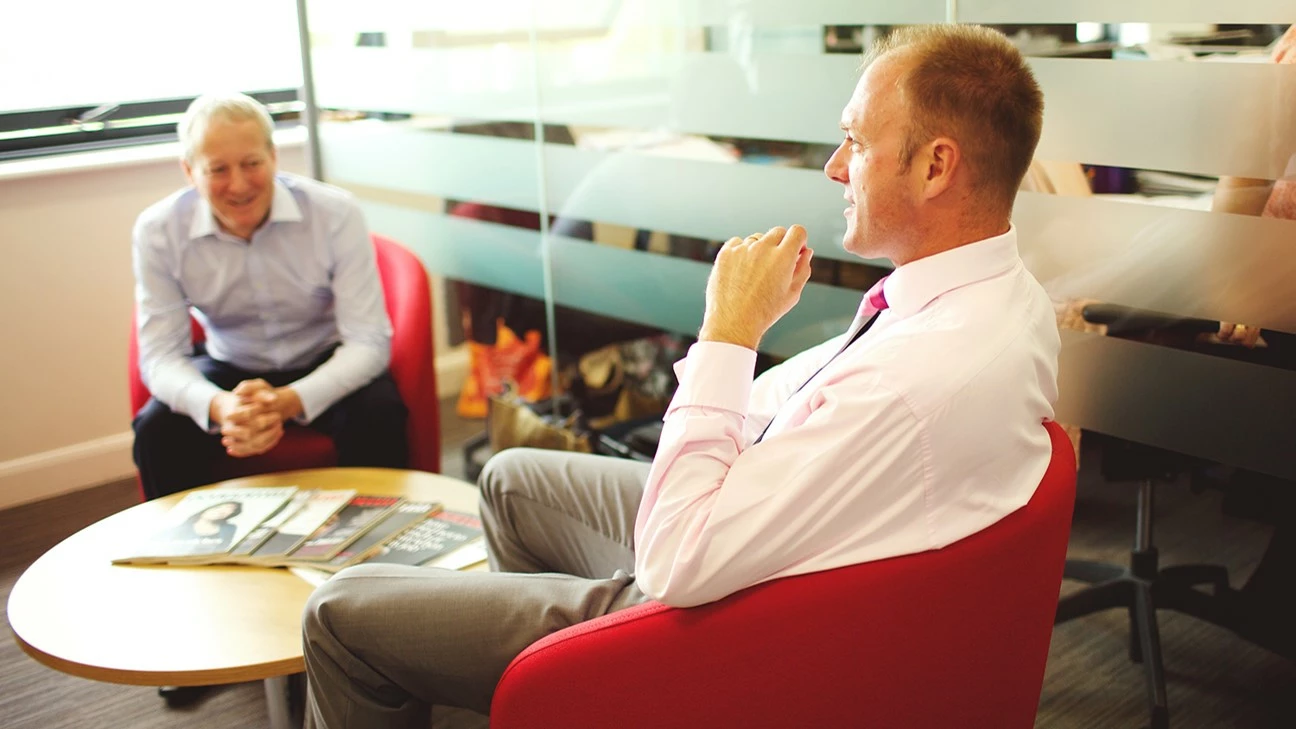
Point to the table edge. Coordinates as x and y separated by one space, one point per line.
204 677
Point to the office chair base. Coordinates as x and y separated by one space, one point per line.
1144 587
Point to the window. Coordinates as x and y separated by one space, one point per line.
82 74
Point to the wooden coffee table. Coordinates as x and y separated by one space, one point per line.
76 612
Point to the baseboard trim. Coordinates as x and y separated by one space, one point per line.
62 470
94 462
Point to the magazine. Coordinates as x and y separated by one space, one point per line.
207 522
345 526
258 536
456 554
401 518
472 553
438 535
318 508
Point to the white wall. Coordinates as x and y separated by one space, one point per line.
65 303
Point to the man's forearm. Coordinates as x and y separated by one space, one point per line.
181 387
351 367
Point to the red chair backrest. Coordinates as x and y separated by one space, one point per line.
409 305
956 637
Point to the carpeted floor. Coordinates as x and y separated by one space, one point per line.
1215 679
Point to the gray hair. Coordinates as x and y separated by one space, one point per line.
226 107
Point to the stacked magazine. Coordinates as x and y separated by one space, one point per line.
321 529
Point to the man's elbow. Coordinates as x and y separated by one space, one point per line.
675 592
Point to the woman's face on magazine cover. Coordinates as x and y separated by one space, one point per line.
220 512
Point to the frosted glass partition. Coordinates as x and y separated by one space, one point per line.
1203 118
433 163
588 156
1184 262
761 96
499 256
1158 392
711 198
474 82
499 16
1124 11
668 293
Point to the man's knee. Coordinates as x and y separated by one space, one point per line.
510 472
330 604
378 404
158 428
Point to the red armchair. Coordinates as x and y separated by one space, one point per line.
409 305
956 637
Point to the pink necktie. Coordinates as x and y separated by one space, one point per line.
876 300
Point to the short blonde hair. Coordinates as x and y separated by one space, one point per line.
970 83
229 107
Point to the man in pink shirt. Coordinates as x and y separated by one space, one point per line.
917 427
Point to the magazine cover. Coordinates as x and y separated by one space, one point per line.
208 522
403 517
258 536
344 527
318 508
438 535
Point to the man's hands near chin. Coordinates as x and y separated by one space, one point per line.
252 417
755 281
1242 334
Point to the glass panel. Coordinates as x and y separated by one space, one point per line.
759 96
700 190
668 127
1172 399
428 115
1203 118
516 15
475 82
1184 263
402 156
1146 11
463 248
668 293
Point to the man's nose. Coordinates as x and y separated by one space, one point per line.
836 167
237 182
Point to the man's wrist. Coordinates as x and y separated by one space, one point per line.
215 419
290 404
727 334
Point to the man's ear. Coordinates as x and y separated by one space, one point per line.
188 171
940 162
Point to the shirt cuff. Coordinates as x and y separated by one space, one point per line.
716 375
315 398
197 398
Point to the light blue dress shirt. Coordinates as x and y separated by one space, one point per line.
307 280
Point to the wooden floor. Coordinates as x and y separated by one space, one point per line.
1215 679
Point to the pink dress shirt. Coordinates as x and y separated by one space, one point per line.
924 431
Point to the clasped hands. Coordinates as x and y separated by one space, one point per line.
754 282
251 417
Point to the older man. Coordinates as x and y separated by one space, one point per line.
281 273
917 427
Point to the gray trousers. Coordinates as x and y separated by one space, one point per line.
384 643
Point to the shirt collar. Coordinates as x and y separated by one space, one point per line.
914 285
283 209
